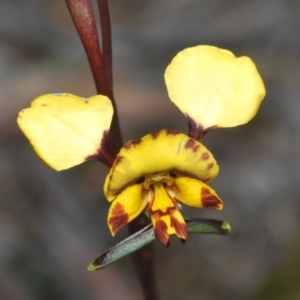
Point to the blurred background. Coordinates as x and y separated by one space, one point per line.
52 225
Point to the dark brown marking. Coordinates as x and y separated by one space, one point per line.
119 218
155 134
210 165
180 228
131 144
192 144
172 132
209 200
197 131
205 156
161 231
118 160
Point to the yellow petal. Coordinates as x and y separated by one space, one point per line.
158 152
165 215
65 129
213 88
127 206
195 193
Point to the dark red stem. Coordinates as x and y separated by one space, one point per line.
115 132
82 14
143 260
106 39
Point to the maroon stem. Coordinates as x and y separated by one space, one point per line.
116 140
82 14
106 39
143 260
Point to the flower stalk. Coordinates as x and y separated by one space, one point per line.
84 20
106 40
101 66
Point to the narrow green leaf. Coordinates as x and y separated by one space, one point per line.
127 246
147 235
207 226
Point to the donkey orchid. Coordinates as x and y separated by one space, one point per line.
156 174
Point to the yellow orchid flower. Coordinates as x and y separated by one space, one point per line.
158 172
165 169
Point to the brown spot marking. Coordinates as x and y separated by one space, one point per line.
155 134
205 156
180 228
131 144
118 219
191 144
210 165
172 132
161 231
209 200
118 160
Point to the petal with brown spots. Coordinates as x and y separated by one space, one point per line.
165 215
127 206
162 151
193 192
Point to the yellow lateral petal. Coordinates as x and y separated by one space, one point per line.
213 87
126 207
195 193
165 215
158 152
65 129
